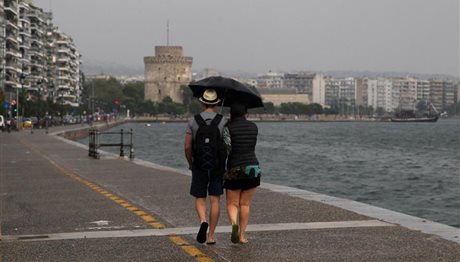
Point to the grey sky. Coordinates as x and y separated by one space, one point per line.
420 36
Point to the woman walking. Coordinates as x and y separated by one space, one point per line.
243 172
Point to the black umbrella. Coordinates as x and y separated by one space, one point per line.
230 91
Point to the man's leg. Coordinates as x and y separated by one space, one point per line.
200 206
213 216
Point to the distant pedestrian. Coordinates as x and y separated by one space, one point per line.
8 124
243 171
205 153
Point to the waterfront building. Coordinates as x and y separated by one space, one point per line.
302 81
458 93
2 45
361 92
380 93
340 92
208 72
319 90
442 93
277 96
31 62
65 61
423 90
332 91
270 80
12 55
404 93
347 89
34 50
165 73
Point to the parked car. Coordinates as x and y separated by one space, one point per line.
27 123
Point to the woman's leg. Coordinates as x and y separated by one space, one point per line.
233 199
245 201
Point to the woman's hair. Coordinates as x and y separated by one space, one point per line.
237 110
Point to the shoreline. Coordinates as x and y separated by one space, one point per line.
408 221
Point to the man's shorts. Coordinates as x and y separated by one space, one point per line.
204 183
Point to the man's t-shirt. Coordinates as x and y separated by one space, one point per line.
192 126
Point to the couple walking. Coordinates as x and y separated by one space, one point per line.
221 155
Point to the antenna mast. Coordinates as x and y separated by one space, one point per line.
167 32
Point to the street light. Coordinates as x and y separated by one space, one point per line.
21 80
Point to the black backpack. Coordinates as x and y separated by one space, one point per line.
209 153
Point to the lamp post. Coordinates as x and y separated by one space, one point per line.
18 121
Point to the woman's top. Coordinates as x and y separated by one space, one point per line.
243 135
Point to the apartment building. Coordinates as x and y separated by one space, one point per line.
332 91
302 81
423 90
380 94
38 61
442 93
270 80
319 90
12 66
404 93
2 45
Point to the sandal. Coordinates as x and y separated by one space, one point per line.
235 238
201 236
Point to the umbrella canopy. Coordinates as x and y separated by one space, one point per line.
230 91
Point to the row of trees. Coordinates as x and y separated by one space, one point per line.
110 95
36 108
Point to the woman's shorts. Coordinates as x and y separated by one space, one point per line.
242 184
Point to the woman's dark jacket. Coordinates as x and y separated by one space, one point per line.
243 135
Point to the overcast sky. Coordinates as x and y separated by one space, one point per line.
419 36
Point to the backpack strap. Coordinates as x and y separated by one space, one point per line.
199 120
216 120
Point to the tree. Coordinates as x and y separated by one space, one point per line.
380 111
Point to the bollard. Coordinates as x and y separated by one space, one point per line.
122 153
131 149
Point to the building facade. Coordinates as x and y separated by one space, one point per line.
32 64
319 90
165 73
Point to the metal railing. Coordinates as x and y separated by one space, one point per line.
95 144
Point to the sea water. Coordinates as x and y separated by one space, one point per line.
412 168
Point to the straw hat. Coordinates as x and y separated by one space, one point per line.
209 97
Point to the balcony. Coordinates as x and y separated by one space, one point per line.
64 50
64 87
12 39
10 24
37 29
13 53
63 59
12 8
63 42
64 69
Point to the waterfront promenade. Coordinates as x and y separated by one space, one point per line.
57 204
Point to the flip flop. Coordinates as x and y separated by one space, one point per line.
211 243
235 238
244 241
201 236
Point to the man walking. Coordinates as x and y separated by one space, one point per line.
205 153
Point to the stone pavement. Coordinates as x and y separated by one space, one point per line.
57 204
